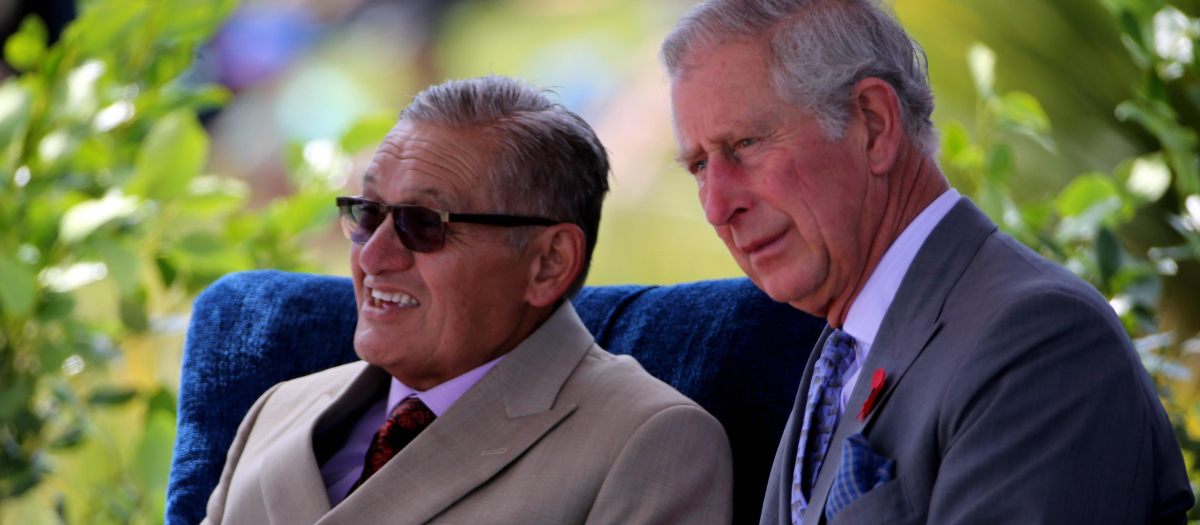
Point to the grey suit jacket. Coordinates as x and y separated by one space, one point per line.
1012 395
558 432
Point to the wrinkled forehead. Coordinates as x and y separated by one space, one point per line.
431 165
726 89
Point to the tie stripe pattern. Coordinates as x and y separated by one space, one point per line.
821 415
407 420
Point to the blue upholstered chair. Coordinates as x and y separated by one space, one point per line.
724 344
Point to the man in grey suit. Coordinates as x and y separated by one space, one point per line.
963 378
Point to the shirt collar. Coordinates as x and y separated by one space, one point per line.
872 303
439 398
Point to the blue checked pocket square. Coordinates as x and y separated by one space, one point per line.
860 470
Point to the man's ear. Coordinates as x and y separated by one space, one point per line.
876 103
558 254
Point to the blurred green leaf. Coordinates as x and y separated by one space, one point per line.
1024 110
954 139
154 451
85 217
162 401
133 314
1179 141
199 98
202 243
167 270
1037 213
958 149
301 212
991 200
14 112
1000 163
55 306
367 132
211 196
18 289
293 156
1083 192
982 61
121 261
94 154
69 438
1132 39
111 395
25 48
1108 255
102 23
173 153
1083 227
15 398
172 62
193 19
1149 178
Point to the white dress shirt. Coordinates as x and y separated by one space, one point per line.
344 467
868 309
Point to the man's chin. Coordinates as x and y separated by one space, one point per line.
376 350
787 289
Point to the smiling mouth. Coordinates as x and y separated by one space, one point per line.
380 299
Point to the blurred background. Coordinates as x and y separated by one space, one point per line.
148 147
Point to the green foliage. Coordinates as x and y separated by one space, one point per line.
109 226
1089 226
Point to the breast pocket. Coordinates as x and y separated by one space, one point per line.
886 504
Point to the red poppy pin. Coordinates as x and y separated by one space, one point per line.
876 386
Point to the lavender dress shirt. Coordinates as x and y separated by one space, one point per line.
345 466
866 314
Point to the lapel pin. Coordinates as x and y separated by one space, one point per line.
495 452
876 386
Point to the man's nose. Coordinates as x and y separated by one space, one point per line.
384 251
724 195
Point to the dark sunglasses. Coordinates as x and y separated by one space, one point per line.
420 229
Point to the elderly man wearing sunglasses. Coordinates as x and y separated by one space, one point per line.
480 397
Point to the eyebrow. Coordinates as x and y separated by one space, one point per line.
684 158
757 128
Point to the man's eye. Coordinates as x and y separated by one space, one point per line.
698 166
746 143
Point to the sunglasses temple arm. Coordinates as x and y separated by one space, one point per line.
500 220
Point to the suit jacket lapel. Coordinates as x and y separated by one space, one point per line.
291 481
780 487
910 324
493 424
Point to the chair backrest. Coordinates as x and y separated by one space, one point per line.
724 344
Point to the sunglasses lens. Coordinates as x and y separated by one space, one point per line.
420 229
359 220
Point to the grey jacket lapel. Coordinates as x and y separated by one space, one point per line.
910 323
292 485
777 506
504 414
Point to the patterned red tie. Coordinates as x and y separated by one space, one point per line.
407 420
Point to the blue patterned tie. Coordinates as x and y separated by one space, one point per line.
821 416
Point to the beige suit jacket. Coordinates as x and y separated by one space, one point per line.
558 432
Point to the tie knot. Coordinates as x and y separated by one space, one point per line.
410 414
839 348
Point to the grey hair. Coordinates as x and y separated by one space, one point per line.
818 50
547 160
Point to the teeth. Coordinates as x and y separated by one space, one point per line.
401 299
